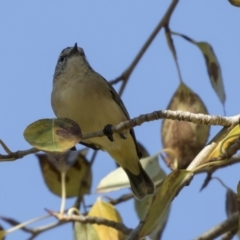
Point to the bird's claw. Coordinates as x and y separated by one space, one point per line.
108 132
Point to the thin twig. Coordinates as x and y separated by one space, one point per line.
173 50
121 199
12 156
93 220
228 225
79 199
126 74
37 231
23 225
214 168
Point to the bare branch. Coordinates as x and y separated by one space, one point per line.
126 74
197 118
93 220
12 156
228 225
121 199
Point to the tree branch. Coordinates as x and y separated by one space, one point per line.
228 225
126 74
93 220
197 118
121 199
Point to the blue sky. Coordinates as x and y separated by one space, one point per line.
112 33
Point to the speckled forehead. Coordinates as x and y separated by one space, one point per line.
67 50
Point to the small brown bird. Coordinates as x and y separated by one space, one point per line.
83 95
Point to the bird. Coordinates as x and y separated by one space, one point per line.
84 96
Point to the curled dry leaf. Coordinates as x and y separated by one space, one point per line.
184 140
78 174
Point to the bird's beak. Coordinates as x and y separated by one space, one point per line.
74 49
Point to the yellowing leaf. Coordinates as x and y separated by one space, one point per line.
165 193
85 232
225 141
105 210
78 177
53 135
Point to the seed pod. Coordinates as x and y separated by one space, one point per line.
184 140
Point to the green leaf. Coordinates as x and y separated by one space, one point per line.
118 179
53 135
85 232
142 208
165 193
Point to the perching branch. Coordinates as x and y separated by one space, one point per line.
228 225
93 220
197 118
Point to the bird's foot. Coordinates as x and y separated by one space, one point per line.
108 132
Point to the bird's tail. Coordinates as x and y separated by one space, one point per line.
141 184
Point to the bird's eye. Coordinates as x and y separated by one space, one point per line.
61 59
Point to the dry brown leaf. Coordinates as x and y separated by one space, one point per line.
184 139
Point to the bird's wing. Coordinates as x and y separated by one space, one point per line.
119 101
